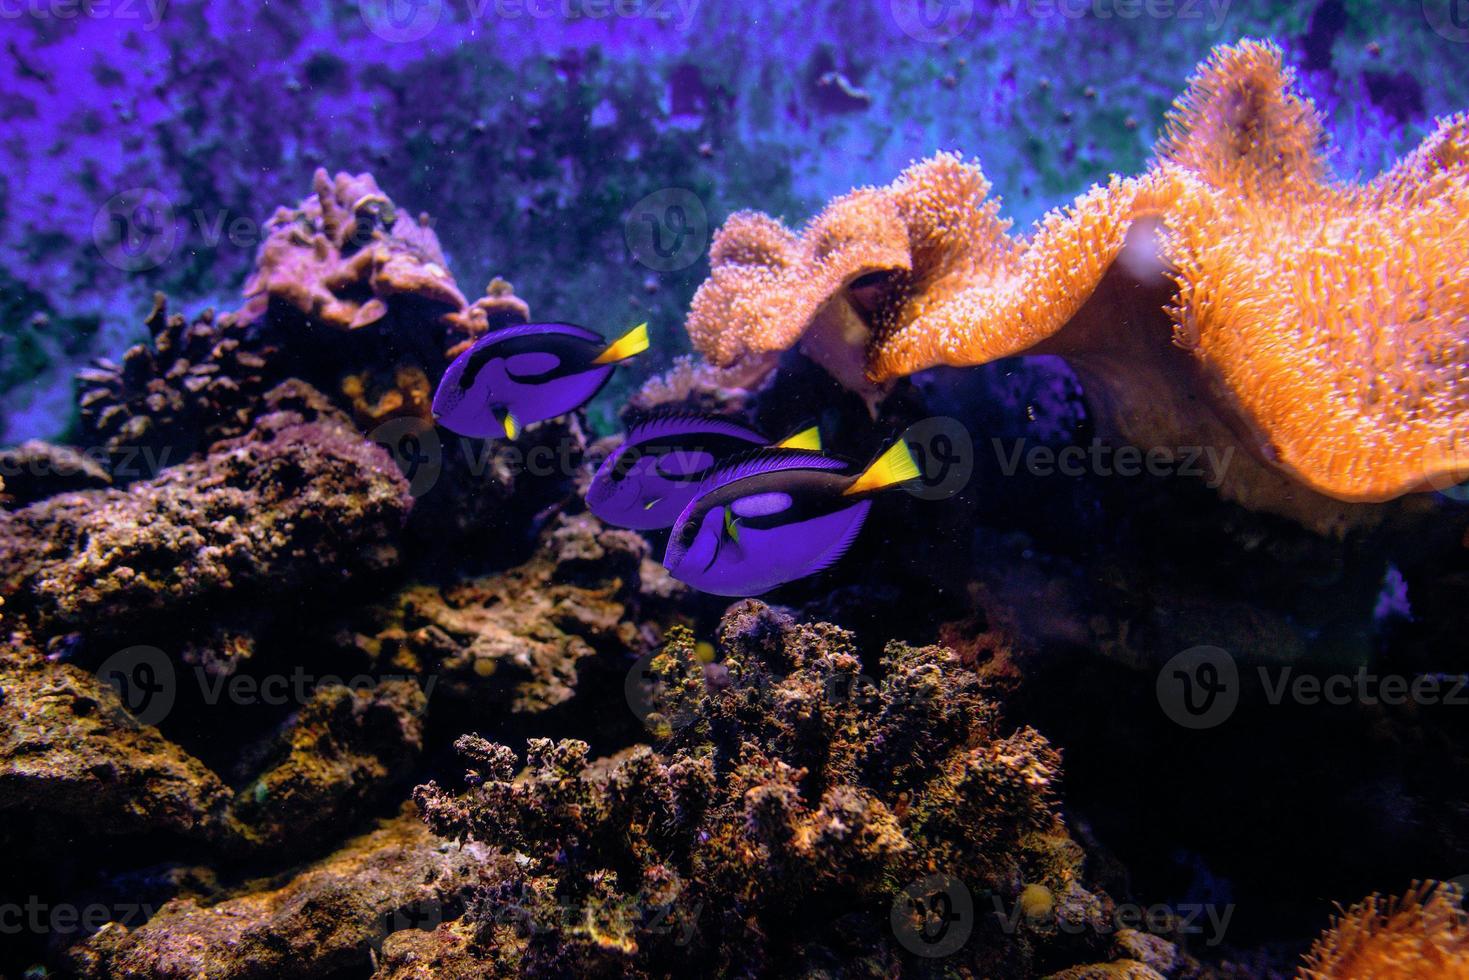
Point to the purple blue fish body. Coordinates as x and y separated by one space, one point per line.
648 481
776 516
528 373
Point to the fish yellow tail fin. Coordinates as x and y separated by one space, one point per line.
635 341
894 466
809 439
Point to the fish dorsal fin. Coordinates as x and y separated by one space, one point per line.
767 461
895 465
529 329
808 438
665 424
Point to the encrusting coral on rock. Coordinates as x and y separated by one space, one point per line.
345 256
69 751
1232 295
789 802
327 918
513 640
294 501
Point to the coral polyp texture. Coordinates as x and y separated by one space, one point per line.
1232 295
788 803
1424 933
345 255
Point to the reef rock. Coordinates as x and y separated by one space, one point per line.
292 504
514 640
35 470
329 917
70 751
336 758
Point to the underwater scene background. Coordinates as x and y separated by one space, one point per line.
327 655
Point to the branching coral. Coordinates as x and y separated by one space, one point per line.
196 382
1230 296
789 802
1422 934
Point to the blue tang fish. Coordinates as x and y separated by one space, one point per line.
653 475
776 516
512 377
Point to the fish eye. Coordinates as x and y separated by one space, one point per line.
688 532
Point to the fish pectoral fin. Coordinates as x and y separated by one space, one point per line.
731 525
651 503
509 423
634 342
